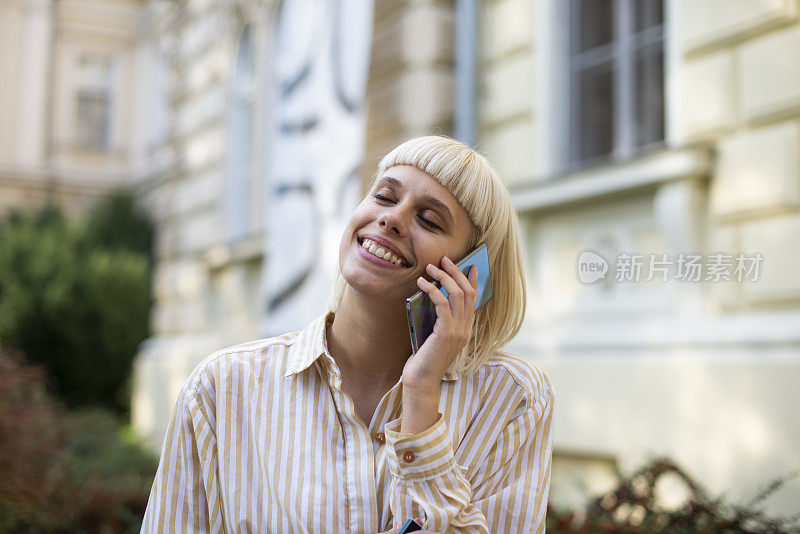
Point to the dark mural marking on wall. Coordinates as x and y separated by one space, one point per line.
321 57
349 191
352 102
304 191
299 127
289 86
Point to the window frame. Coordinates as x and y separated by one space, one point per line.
621 51
241 135
103 91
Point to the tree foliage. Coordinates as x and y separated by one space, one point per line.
75 297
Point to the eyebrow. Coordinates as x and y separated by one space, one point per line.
429 199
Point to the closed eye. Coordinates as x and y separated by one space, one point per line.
425 222
429 223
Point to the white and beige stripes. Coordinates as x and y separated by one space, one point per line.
263 439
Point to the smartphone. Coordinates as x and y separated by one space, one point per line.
422 312
409 526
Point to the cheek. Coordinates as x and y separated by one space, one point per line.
357 221
435 251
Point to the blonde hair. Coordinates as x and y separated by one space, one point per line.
478 188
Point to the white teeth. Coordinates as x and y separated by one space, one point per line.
381 252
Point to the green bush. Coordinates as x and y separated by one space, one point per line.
75 297
64 471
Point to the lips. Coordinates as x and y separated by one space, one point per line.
383 249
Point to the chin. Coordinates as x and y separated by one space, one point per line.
379 288
383 284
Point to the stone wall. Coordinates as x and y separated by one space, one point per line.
205 286
701 372
40 156
410 90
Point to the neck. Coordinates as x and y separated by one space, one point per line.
369 339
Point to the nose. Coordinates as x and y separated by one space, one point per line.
393 221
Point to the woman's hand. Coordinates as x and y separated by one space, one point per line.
423 372
453 319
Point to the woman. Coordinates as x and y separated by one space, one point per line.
338 428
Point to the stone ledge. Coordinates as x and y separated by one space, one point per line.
648 171
777 329
711 24
249 249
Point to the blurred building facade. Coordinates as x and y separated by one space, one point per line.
77 115
623 128
639 128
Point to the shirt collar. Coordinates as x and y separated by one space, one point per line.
310 344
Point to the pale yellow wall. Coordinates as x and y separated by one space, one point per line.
410 87
42 41
206 289
729 421
703 373
507 87
93 28
11 29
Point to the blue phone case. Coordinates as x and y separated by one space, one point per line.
422 312
410 526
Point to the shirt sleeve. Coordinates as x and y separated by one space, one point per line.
508 493
184 496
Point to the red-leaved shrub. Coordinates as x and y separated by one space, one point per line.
64 471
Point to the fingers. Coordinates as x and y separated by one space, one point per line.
437 297
454 312
473 283
467 284
455 293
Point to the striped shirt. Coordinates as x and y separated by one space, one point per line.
263 439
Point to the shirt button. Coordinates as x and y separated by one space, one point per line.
408 457
380 437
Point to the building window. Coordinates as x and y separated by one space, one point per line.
616 79
94 102
241 134
160 100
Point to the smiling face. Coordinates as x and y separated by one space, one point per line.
406 221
